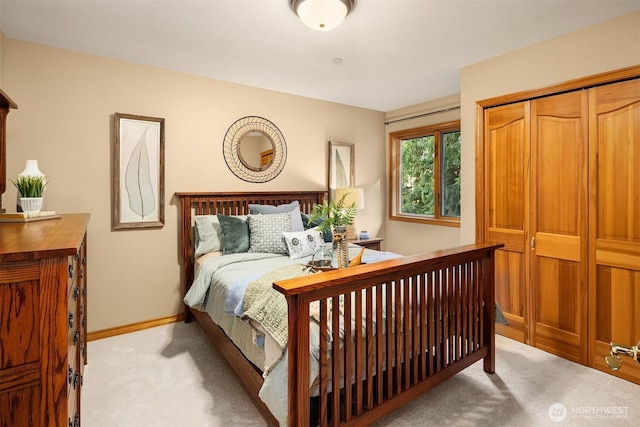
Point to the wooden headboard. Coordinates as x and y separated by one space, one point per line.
234 203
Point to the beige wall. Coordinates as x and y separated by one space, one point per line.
609 46
66 101
409 238
1 59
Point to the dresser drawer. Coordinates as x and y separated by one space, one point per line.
73 411
73 266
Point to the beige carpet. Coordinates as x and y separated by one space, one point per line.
172 376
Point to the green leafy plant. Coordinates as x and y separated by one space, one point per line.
29 185
332 214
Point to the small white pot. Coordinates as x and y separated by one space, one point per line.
31 204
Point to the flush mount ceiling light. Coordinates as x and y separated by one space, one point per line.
322 15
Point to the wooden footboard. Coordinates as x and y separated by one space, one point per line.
439 309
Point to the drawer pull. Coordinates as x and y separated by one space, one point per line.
76 421
70 375
70 320
70 423
70 270
76 337
76 380
76 294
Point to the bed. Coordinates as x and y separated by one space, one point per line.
414 322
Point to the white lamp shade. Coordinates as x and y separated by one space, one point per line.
322 15
353 196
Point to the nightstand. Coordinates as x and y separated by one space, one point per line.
370 243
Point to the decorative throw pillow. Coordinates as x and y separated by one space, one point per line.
235 230
328 237
266 232
293 207
208 234
303 243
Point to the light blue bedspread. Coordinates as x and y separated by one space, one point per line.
235 297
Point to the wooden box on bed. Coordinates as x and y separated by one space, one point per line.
452 291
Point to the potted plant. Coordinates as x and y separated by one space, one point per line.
328 215
335 216
30 188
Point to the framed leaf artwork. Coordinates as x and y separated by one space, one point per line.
341 166
138 172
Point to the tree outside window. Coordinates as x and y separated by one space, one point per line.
425 176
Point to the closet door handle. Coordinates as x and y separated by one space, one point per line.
533 243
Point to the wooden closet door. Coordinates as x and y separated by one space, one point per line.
614 274
506 208
559 227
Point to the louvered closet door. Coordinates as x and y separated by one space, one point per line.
559 227
614 275
506 208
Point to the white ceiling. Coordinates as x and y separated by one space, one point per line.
395 53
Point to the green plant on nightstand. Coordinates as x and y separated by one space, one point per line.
332 214
335 216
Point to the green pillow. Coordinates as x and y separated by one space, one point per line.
235 230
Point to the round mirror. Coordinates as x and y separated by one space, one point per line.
254 149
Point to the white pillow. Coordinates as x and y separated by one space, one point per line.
208 234
303 243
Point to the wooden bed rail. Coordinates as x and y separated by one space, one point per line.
416 320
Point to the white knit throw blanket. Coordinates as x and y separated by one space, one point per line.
268 307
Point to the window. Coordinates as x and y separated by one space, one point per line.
425 174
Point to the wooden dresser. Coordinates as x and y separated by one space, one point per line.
43 321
